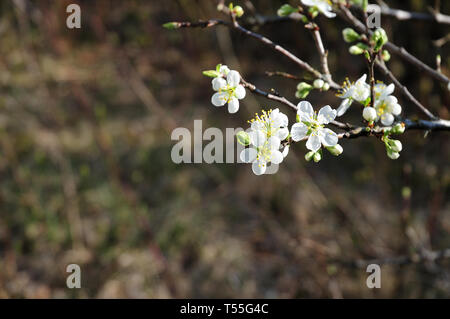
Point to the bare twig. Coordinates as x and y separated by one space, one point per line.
346 13
403 15
382 66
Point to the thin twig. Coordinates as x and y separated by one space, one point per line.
382 66
346 13
403 15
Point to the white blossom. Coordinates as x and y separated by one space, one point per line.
228 91
386 104
369 114
324 6
266 134
311 125
357 91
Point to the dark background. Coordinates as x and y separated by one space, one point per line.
86 175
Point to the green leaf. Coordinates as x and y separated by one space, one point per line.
211 73
171 25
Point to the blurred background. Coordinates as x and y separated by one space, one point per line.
86 177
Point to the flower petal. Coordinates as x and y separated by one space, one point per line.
298 131
224 70
345 104
257 138
328 137
305 110
285 151
248 155
326 115
313 142
233 105
219 99
233 78
387 119
276 157
218 83
274 142
283 133
396 109
259 167
240 92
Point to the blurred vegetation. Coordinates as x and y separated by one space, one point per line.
86 176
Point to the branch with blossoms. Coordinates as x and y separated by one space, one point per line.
269 137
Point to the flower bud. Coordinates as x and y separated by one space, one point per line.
303 85
286 10
355 50
238 11
369 114
303 89
317 157
335 150
309 156
395 145
392 154
398 128
326 86
243 138
318 83
350 35
386 55
171 25
380 38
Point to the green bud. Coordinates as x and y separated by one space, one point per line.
318 83
313 12
309 156
238 11
335 150
301 94
386 55
243 138
392 154
356 50
350 35
326 86
395 145
317 157
380 38
303 90
171 25
303 86
286 10
211 73
398 128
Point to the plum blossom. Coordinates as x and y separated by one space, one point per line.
386 105
311 125
229 90
323 6
358 91
266 133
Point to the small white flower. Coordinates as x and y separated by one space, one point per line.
267 132
357 91
228 91
386 104
312 124
369 114
324 6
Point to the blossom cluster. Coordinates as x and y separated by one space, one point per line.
384 108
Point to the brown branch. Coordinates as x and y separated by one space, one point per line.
403 15
382 66
346 13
